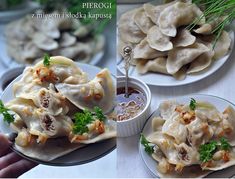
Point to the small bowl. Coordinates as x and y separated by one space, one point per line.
134 125
9 76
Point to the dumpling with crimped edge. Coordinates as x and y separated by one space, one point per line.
153 12
166 145
223 45
177 15
143 21
174 128
48 99
61 69
181 56
155 65
183 38
144 51
167 108
39 122
201 63
157 40
128 29
98 92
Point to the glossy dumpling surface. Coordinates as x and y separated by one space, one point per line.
98 92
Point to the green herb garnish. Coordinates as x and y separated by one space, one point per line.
7 117
148 148
215 10
46 60
99 113
192 104
82 119
224 144
207 151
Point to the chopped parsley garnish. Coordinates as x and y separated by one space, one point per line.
224 144
82 119
99 113
148 148
207 151
46 60
7 117
192 104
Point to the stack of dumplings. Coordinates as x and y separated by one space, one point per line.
162 43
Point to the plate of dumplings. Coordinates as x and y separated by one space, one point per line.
165 50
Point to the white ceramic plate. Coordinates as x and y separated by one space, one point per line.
150 163
158 79
10 62
83 155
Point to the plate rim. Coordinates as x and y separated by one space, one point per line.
157 110
198 76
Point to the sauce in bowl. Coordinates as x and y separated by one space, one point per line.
131 106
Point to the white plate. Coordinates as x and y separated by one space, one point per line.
10 62
83 155
158 79
150 163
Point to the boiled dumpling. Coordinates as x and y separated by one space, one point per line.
128 29
222 46
144 51
155 65
179 57
183 38
177 15
201 62
153 12
143 21
97 92
157 40
61 70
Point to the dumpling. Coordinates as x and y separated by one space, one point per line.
48 100
61 70
183 38
44 42
167 108
174 128
128 29
168 149
38 121
153 12
177 15
201 62
157 40
79 51
181 56
222 45
27 112
98 92
143 21
207 28
155 65
144 51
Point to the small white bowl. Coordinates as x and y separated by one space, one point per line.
134 125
